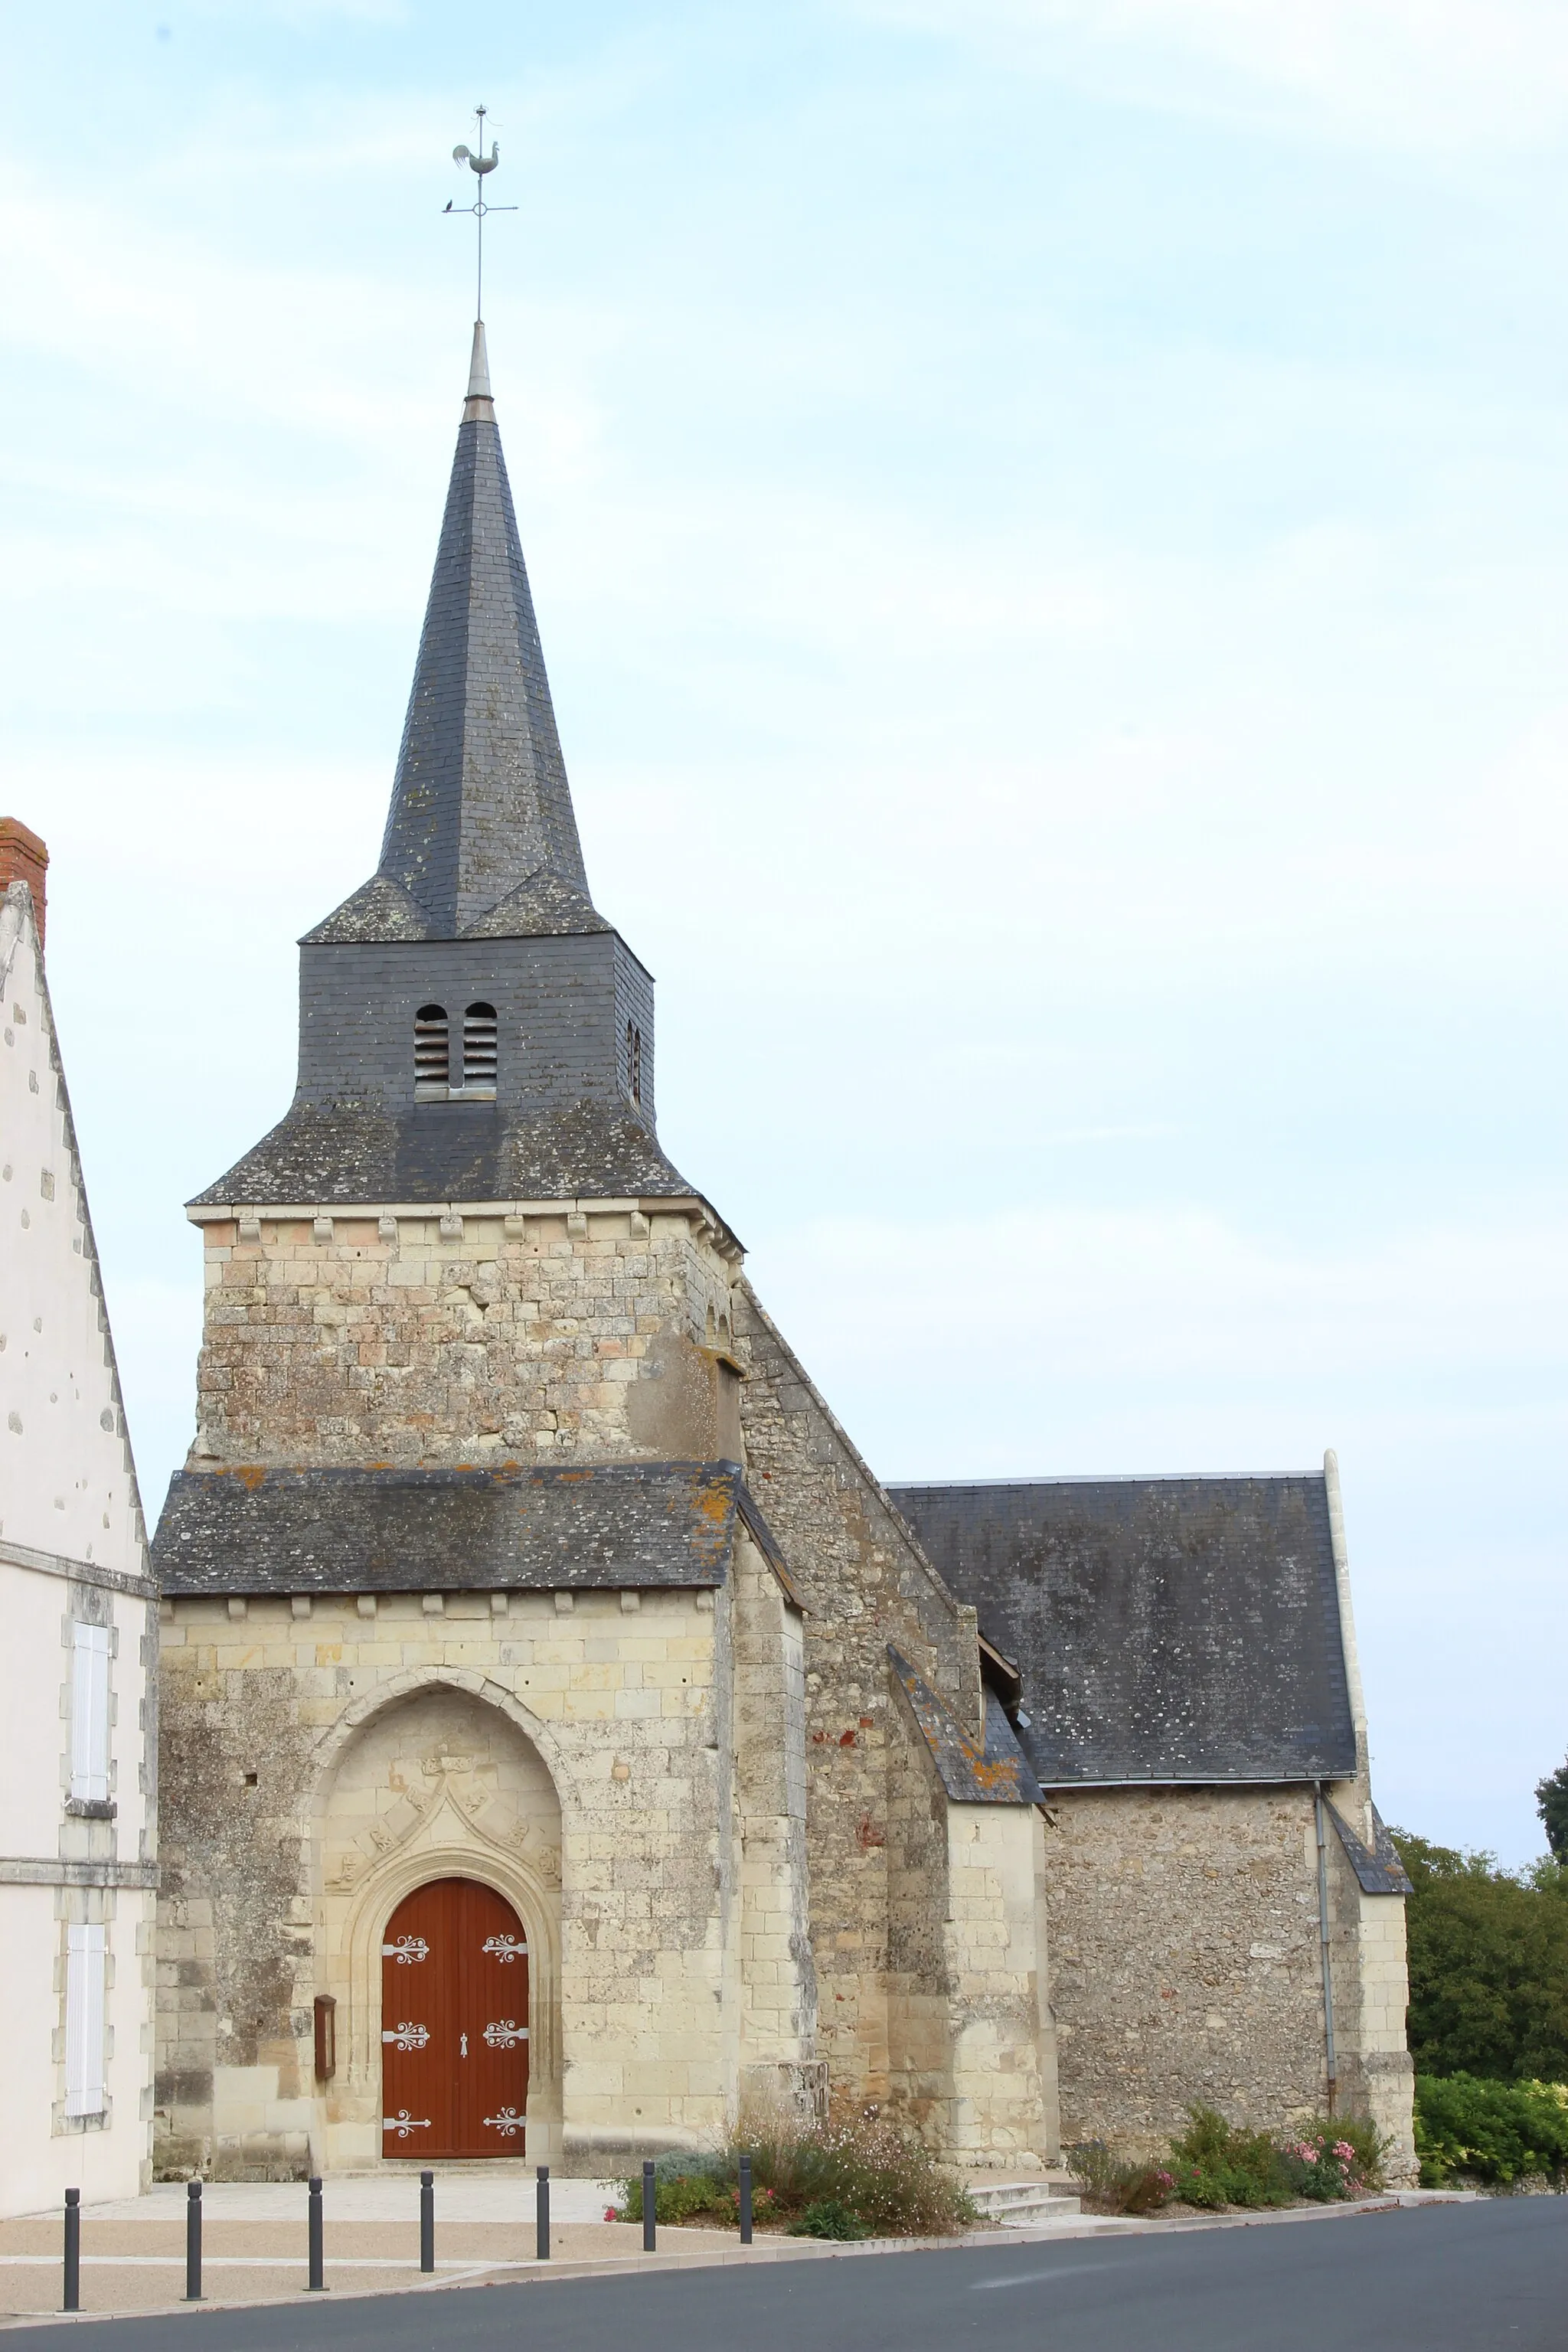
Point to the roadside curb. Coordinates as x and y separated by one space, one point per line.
765 2251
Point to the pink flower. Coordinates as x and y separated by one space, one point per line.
1345 2151
611 2214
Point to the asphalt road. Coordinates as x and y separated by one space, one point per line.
1464 2278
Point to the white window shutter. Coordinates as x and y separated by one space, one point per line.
90 1711
86 1949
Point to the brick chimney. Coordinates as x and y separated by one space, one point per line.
24 858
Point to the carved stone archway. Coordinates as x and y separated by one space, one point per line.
430 1777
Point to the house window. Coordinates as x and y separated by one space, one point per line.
634 1062
479 1050
86 1959
431 1062
90 1714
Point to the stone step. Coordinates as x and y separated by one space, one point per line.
1011 2204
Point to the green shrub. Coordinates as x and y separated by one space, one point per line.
879 2179
1112 2184
1493 2131
692 2164
1329 2160
826 2218
676 2199
890 2180
1214 2165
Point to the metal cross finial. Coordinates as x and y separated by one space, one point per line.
478 161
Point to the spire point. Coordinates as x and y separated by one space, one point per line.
478 400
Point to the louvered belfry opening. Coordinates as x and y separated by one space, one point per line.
468 1075
634 1062
479 1050
432 1068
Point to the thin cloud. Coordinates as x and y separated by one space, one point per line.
1437 74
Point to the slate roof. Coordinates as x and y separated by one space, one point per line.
481 805
995 1773
613 1525
1166 1628
1378 1866
344 1154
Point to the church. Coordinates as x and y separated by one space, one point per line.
566 1739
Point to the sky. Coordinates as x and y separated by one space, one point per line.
1049 522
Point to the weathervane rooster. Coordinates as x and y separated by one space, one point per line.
478 161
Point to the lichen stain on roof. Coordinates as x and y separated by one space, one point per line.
996 1773
1166 1629
253 1530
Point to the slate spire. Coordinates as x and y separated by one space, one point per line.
481 805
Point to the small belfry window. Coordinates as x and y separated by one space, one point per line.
431 1055
634 1061
479 1050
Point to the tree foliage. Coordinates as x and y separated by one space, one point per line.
1490 2131
1551 1804
1489 1964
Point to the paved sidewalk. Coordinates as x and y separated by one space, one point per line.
253 2242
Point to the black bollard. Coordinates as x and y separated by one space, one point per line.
648 2224
316 2283
426 2221
542 2214
73 2251
745 2201
193 2242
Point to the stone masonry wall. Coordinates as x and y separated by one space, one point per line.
404 1339
971 2034
864 1584
596 1333
1371 1994
919 2048
1003 2100
617 1695
1186 1968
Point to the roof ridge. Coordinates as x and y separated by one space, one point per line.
1105 1478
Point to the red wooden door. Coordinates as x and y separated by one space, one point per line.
453 2023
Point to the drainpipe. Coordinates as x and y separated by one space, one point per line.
1323 1945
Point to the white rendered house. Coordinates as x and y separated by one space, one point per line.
78 1705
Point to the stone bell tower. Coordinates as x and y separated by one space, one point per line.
466 1600
475 1100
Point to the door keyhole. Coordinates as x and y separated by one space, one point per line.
462 2045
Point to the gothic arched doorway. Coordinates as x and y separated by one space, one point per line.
453 2023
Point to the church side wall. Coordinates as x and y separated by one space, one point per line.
863 1585
1186 1964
